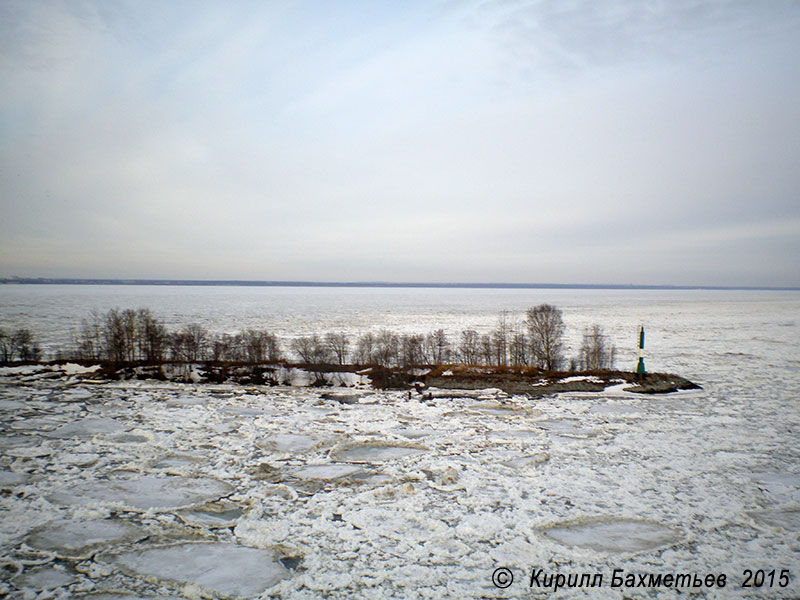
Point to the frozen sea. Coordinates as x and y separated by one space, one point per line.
161 490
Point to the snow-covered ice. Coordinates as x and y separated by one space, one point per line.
73 369
706 481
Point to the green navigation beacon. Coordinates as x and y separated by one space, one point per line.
640 366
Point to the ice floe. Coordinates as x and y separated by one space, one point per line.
288 442
86 428
614 534
788 519
565 427
374 452
145 492
212 515
326 472
780 487
76 395
226 570
412 433
35 424
80 459
498 409
10 479
527 461
43 578
614 410
177 463
79 539
29 451
124 596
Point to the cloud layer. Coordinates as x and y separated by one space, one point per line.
510 141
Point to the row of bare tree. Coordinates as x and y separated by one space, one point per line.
18 345
136 335
537 340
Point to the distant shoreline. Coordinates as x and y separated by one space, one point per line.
379 284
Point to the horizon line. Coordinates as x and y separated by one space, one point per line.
377 284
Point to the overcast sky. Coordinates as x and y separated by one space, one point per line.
645 142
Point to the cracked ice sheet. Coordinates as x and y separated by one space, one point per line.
433 523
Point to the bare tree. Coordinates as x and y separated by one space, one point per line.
596 353
116 337
18 345
121 335
90 343
311 350
128 323
274 350
255 345
128 335
258 346
437 348
469 347
546 333
5 347
24 346
196 341
518 349
303 347
365 349
339 346
387 348
486 349
224 347
500 340
190 343
151 336
412 349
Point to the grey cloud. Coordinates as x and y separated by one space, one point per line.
578 34
581 141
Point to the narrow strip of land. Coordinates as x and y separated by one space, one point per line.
423 380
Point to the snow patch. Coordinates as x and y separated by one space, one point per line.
74 369
587 378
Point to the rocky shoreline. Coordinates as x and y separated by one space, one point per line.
541 383
420 380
